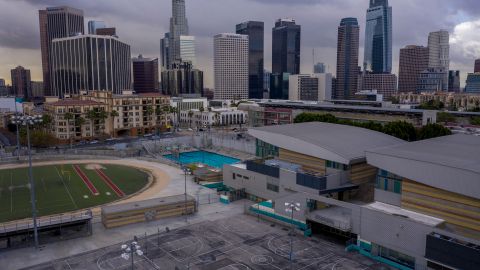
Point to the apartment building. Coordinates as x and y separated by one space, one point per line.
213 117
409 205
99 114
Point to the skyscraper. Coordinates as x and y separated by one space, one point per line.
378 38
145 74
312 87
319 68
439 53
21 82
178 27
230 62
182 80
56 22
88 62
255 32
477 66
454 81
94 25
473 83
286 47
413 60
165 51
347 59
187 49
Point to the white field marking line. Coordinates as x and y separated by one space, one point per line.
11 193
339 261
185 245
317 260
1 190
150 261
248 252
172 244
43 184
168 253
68 265
66 188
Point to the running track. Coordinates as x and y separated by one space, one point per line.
109 182
85 179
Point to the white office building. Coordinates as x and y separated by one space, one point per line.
439 53
187 49
231 66
310 87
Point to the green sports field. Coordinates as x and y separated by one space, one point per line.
62 188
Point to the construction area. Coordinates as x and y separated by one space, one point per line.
238 242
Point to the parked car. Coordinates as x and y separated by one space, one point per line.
94 142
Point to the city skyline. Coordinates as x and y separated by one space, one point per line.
20 44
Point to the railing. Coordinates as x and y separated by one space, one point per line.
263 169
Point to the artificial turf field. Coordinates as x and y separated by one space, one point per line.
60 188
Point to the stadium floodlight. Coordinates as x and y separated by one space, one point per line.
130 250
27 121
185 171
291 207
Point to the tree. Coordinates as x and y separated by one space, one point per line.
475 121
190 114
401 129
432 131
113 114
91 115
201 109
47 120
444 117
69 116
38 138
432 105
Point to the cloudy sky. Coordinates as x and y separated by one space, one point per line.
141 23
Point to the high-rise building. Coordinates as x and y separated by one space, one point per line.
145 74
255 32
413 60
106 31
439 53
313 87
319 68
178 27
3 88
384 84
432 80
286 47
94 25
378 38
230 62
182 80
454 81
2 82
37 89
187 49
266 83
473 83
347 59
279 84
90 62
56 22
477 66
165 51
21 82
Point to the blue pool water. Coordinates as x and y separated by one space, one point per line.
211 159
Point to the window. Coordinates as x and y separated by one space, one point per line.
233 176
272 187
388 182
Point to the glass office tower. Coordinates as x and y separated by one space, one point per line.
378 38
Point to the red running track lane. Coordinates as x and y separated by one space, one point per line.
109 182
85 179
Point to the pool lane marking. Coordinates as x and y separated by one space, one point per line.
86 180
66 188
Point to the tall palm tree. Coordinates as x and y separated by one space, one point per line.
80 121
190 114
113 114
68 116
91 115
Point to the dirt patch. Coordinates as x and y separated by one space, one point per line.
94 167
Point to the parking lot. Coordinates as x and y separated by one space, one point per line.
241 242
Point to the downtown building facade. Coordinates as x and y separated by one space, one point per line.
439 54
286 37
182 80
378 38
310 87
230 62
477 66
21 82
347 59
90 62
170 44
255 32
319 68
473 83
413 60
454 81
432 80
94 25
145 75
56 22
381 83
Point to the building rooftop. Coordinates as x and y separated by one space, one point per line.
400 212
130 206
450 162
339 143
74 102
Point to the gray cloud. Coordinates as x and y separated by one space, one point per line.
142 23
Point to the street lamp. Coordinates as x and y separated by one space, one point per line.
130 250
27 121
185 170
291 207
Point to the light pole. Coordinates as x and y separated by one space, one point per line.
185 170
130 250
291 207
28 121
18 131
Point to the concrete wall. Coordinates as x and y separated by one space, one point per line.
388 197
397 233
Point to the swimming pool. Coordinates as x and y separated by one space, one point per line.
209 158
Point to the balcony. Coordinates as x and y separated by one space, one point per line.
452 252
